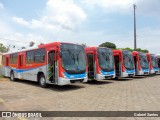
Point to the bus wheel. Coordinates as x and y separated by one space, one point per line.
42 81
116 78
12 76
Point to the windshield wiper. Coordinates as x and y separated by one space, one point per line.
129 59
77 56
106 57
71 54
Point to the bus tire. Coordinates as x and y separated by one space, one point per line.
42 81
12 76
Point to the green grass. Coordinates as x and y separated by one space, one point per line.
1 76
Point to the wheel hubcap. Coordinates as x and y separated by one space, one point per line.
42 80
11 76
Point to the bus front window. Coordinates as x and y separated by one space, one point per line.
143 61
73 58
128 60
154 61
105 58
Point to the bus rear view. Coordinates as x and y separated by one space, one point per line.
141 63
100 63
124 64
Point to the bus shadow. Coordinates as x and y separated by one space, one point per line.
123 79
94 82
27 82
52 87
152 75
64 88
140 77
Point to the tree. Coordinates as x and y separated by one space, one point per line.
108 44
141 50
23 47
3 48
138 49
31 44
84 45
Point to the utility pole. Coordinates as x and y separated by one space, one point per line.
135 35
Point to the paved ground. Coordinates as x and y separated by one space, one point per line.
137 94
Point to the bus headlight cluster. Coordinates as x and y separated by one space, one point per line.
65 76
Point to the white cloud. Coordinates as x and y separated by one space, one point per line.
20 40
151 7
64 14
20 21
110 5
1 6
149 38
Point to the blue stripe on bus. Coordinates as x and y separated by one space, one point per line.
22 70
73 76
130 71
108 73
145 70
155 69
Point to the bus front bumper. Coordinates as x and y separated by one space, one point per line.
143 72
102 77
125 74
65 81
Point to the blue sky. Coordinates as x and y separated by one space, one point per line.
86 21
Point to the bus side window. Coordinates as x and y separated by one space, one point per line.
30 56
40 56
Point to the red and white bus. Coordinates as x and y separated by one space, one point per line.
54 63
141 63
100 63
158 60
153 65
124 63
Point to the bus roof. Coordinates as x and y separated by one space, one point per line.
39 46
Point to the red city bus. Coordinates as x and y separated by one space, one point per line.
100 63
153 65
158 60
141 63
54 63
124 64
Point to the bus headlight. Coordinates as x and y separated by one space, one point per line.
65 76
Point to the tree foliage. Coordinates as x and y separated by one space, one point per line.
3 48
108 44
138 49
113 46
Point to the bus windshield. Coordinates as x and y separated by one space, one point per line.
73 58
154 61
128 60
105 58
143 61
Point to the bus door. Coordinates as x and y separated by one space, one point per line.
117 65
158 60
52 67
91 66
7 72
20 66
135 64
